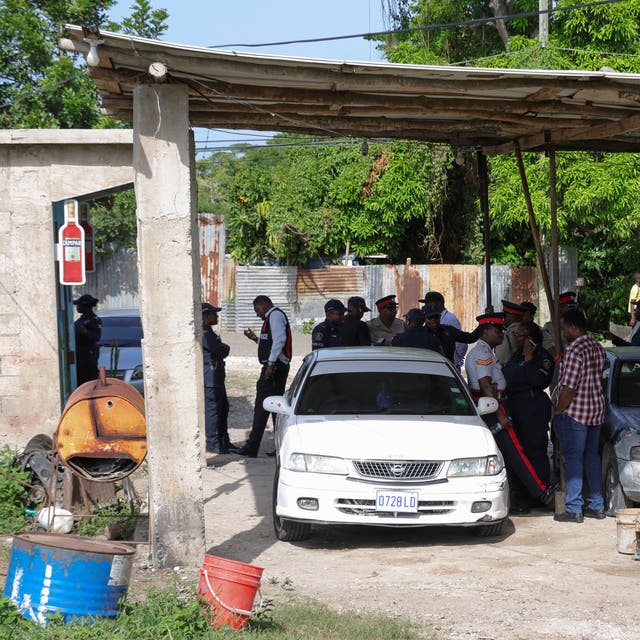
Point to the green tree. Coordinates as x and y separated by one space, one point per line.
597 192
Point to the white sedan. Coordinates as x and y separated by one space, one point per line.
384 436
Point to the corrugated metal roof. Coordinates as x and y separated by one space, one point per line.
463 106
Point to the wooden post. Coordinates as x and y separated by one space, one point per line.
483 193
555 262
534 229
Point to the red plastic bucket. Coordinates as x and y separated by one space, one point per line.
229 588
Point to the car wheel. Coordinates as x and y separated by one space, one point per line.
490 530
614 497
287 530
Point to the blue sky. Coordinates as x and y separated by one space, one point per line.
208 23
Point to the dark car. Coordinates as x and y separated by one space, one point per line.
621 431
120 346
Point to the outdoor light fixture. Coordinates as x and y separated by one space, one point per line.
92 38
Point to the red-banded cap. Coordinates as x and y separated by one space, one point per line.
491 318
387 301
568 297
513 308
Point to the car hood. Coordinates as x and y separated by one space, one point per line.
128 358
392 438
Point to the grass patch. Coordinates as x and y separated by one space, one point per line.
175 613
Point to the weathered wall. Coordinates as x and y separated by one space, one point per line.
37 168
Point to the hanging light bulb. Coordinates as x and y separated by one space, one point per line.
93 59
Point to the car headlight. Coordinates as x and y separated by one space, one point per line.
137 373
317 464
485 466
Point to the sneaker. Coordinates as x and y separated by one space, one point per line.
598 514
568 516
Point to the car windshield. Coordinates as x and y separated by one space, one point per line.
121 331
627 384
416 389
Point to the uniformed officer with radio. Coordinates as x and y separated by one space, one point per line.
528 374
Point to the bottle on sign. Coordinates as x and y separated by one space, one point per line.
88 237
71 242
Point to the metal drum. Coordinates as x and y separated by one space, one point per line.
74 575
102 434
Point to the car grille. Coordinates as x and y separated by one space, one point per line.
398 470
368 508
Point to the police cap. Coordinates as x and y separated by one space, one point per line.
209 308
357 301
513 308
386 301
86 299
334 305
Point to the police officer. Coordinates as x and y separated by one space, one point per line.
528 373
386 325
513 314
415 335
216 403
328 333
87 329
355 332
485 378
447 335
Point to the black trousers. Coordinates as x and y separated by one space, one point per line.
264 388
531 413
216 414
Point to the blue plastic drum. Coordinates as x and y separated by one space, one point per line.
74 575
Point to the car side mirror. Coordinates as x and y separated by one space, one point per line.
277 404
487 405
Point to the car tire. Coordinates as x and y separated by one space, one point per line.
490 530
613 494
287 530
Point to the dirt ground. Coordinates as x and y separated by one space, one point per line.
542 580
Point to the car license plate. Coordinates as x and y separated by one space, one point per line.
397 501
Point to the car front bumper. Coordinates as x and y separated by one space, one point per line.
629 472
347 500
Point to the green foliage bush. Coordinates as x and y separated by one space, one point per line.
13 494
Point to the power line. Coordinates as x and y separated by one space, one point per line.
429 27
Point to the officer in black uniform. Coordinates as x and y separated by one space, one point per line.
528 373
415 335
216 403
328 333
446 334
88 329
355 332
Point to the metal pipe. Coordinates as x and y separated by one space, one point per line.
483 193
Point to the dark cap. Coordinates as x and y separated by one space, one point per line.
415 315
334 305
513 308
357 301
209 308
529 306
86 299
432 296
568 297
491 318
386 301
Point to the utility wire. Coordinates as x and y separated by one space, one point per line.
429 27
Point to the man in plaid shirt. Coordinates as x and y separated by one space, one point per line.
579 413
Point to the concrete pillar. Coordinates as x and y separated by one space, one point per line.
163 161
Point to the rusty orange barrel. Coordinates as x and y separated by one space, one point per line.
102 434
